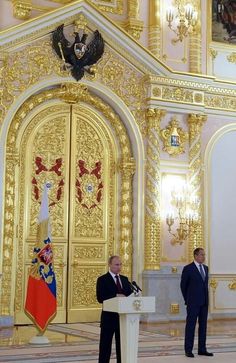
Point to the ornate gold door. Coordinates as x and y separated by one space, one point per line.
72 148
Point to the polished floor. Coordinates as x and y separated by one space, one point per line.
79 343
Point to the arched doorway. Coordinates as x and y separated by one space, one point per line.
74 146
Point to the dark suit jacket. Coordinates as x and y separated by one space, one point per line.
194 289
107 289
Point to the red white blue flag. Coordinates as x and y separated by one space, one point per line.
41 303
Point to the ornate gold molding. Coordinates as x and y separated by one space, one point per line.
152 243
22 67
196 122
64 93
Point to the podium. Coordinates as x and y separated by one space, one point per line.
129 310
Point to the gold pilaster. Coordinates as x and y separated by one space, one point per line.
127 170
196 122
154 31
152 217
133 25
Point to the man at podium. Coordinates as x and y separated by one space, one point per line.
110 285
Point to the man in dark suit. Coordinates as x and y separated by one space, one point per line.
110 285
194 287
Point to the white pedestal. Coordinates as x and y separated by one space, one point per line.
129 309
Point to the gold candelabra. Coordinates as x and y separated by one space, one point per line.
182 20
186 216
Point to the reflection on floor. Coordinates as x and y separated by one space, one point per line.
79 343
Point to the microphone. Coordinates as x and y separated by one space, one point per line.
133 288
136 286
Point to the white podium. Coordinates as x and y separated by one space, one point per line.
129 309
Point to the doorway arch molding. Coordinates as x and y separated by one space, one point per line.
126 167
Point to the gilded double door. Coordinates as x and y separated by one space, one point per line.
71 147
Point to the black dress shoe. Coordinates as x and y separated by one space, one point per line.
189 354
206 353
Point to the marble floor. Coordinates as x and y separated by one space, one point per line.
159 343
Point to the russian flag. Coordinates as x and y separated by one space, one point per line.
41 302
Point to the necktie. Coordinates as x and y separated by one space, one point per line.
201 271
119 288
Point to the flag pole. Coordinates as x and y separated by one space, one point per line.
41 305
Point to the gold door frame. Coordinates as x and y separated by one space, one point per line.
69 93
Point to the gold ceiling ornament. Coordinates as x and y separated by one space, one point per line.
22 9
174 138
182 19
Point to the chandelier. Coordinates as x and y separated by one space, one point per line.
184 217
182 20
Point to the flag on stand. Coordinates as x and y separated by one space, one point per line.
41 304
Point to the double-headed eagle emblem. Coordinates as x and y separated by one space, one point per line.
79 55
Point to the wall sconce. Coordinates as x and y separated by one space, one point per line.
185 215
182 20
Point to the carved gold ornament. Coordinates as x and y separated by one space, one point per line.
22 9
232 285
213 284
232 57
174 138
174 308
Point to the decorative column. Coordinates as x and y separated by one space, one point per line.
152 212
133 25
154 31
196 122
127 170
195 46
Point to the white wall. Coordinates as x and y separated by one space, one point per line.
222 204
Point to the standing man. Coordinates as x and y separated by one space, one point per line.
194 287
110 285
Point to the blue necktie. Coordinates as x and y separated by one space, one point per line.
202 272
